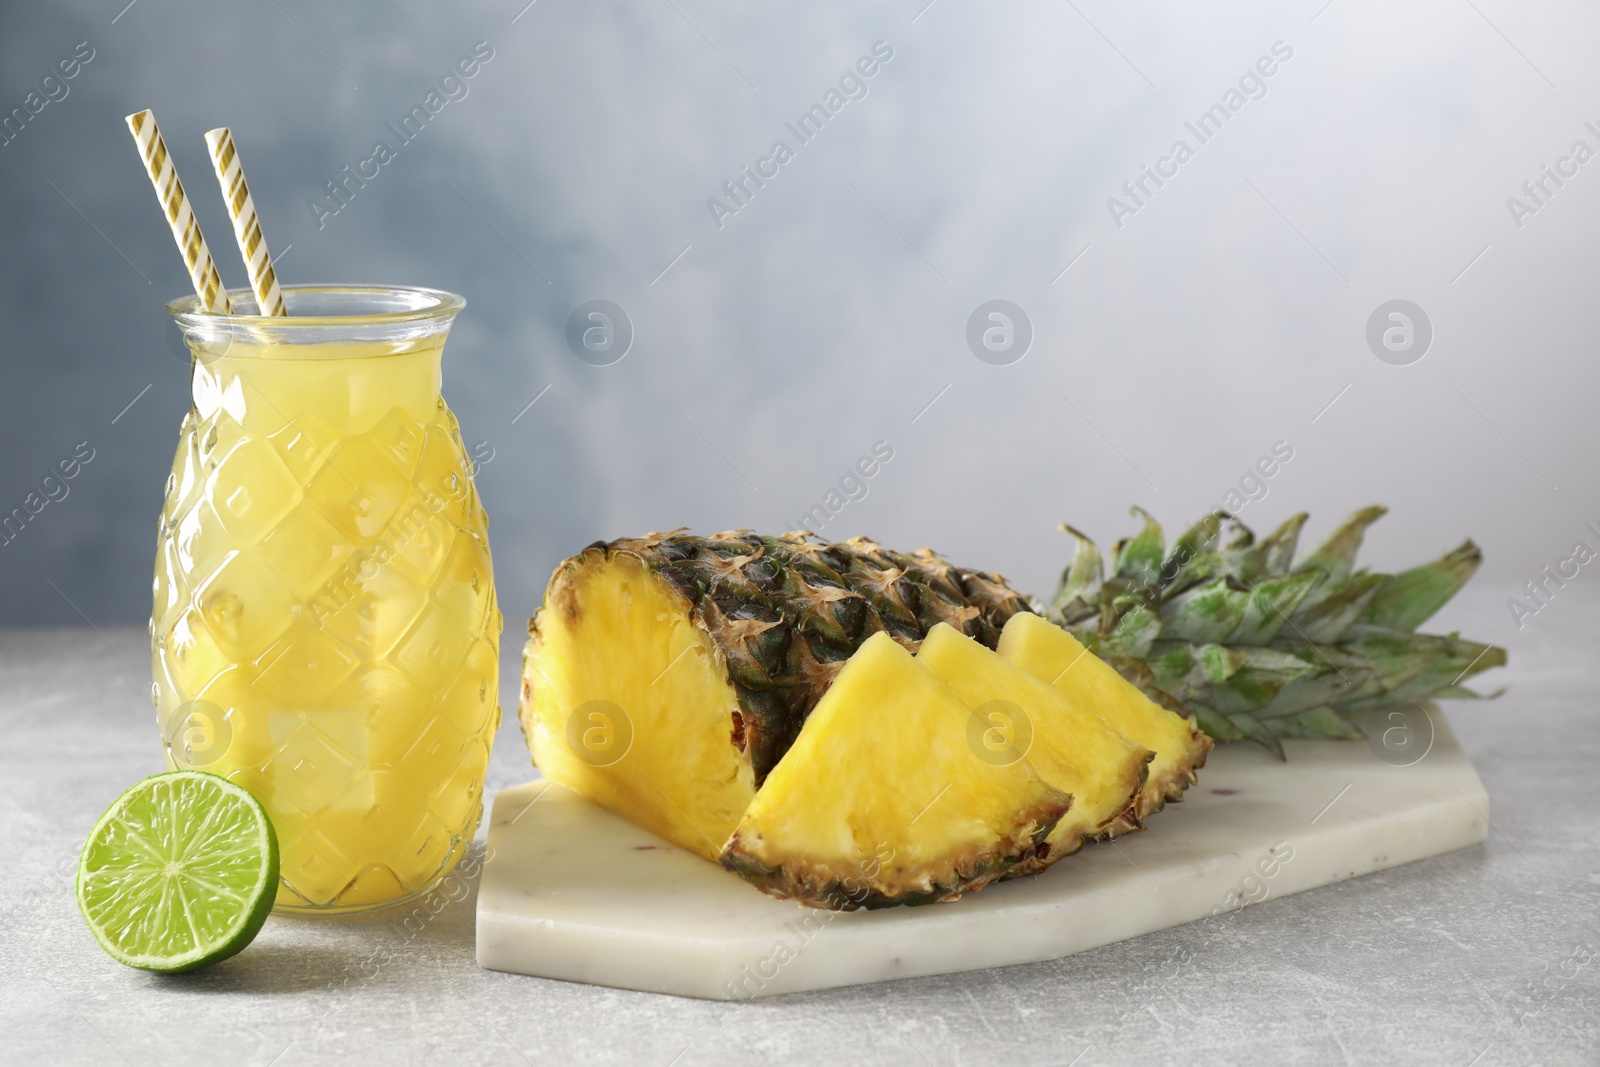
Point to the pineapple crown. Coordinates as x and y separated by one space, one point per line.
1259 646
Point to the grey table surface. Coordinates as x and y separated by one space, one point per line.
1480 957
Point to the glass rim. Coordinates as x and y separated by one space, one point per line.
433 305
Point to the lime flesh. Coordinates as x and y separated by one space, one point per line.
179 873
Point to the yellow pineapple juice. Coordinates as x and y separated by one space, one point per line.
325 631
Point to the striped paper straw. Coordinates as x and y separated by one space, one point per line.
246 227
185 228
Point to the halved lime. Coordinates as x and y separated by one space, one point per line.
179 873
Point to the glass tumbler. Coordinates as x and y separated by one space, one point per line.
324 629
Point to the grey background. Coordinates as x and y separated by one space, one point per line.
1226 315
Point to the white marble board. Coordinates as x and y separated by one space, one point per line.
571 891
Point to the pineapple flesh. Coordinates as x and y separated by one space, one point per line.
1053 656
882 800
625 703
1069 745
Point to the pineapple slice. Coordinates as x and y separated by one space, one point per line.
1014 715
882 801
1051 654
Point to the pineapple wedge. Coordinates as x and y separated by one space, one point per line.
1014 714
881 800
1049 653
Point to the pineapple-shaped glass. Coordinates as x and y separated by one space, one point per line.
325 630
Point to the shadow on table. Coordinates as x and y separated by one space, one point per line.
348 953
266 968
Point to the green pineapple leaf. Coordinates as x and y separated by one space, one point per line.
1410 598
1318 722
1272 602
1204 613
1230 679
1079 591
1200 539
1275 555
1217 725
1326 614
1254 730
1337 555
1134 627
1138 560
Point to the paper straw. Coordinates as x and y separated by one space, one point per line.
246 227
185 228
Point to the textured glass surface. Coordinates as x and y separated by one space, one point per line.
324 629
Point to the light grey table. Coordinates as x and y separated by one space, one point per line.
1468 959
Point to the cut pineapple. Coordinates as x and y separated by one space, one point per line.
666 675
1071 748
881 800
1052 655
624 702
